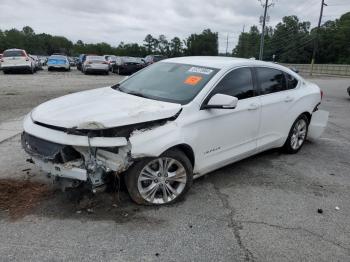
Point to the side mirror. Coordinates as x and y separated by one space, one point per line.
221 101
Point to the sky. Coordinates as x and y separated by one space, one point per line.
113 21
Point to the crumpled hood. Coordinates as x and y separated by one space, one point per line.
101 108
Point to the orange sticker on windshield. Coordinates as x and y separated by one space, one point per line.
193 80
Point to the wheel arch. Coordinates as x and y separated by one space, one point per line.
187 150
307 114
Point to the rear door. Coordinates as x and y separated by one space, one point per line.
276 102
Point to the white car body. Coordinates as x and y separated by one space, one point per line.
215 137
11 63
95 64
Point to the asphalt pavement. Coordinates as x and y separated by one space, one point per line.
265 208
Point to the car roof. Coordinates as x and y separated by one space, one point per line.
60 56
221 62
14 49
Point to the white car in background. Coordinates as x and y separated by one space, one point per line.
95 64
174 121
17 60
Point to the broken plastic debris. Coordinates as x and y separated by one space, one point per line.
337 208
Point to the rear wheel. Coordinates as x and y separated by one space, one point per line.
161 180
297 135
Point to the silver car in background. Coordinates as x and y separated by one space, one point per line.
95 64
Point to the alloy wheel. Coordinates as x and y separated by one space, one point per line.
162 180
298 134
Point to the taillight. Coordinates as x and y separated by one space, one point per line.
321 94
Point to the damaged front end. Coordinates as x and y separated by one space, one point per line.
75 156
71 166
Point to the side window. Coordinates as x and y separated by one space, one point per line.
292 82
238 83
271 80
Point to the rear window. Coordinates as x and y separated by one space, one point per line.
129 59
292 82
271 80
158 58
57 57
95 58
15 53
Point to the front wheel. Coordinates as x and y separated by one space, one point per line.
161 180
297 135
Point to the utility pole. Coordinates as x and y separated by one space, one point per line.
314 52
226 44
266 6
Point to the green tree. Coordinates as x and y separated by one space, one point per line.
205 43
248 44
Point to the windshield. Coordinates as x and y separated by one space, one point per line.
170 82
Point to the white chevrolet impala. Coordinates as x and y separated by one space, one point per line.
172 122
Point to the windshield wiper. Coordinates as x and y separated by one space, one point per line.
136 94
116 87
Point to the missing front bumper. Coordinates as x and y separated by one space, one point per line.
68 170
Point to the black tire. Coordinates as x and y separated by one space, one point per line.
5 72
132 175
287 147
107 73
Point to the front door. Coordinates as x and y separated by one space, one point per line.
225 135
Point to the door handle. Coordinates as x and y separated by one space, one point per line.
288 99
253 107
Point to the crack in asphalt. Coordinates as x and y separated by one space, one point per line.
234 224
296 229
